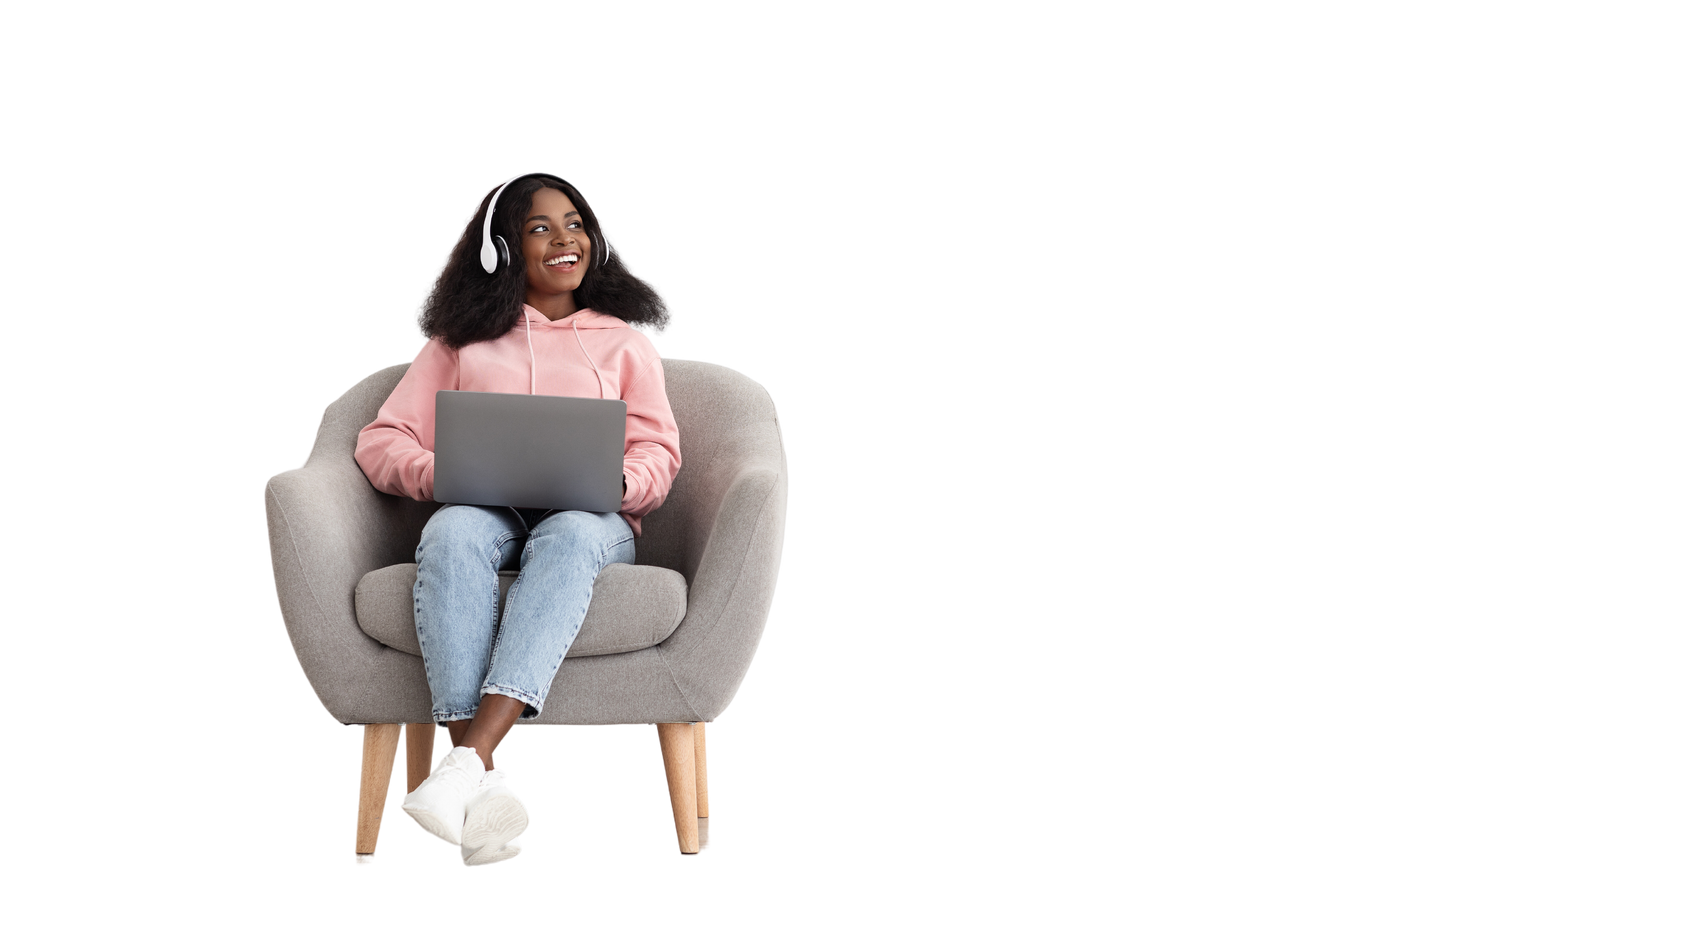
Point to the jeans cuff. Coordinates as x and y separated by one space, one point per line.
534 702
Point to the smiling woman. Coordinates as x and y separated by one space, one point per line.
548 314
468 306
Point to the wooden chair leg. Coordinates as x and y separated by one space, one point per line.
380 745
702 771
418 754
679 760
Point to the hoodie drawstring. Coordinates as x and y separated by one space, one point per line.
589 358
533 364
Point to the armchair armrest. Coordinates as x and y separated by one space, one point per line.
327 528
732 586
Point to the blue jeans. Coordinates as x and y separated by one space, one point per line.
467 651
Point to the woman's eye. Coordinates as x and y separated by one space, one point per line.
538 229
574 224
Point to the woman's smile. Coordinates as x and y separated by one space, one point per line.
563 263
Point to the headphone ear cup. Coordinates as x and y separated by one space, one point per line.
503 251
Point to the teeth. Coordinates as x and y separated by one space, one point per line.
564 259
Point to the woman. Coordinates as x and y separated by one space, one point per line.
551 318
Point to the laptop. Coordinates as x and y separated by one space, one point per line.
541 451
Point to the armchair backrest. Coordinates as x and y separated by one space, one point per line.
402 519
727 425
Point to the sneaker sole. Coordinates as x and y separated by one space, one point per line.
492 824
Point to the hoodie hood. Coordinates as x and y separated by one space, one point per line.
583 319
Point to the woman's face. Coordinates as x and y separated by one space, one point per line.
555 244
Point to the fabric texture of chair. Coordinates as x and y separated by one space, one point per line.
668 639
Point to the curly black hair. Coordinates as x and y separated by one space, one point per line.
469 305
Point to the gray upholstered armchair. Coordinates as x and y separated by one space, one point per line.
667 640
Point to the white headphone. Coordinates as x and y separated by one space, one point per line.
495 253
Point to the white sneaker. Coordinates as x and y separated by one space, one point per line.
439 803
490 855
495 818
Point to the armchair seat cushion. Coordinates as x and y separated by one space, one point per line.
633 607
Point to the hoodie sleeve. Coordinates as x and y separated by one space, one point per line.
396 450
652 441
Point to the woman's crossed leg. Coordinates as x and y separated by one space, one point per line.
475 653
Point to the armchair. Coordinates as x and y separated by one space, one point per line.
667 640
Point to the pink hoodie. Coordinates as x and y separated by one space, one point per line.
587 355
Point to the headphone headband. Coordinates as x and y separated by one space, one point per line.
494 251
